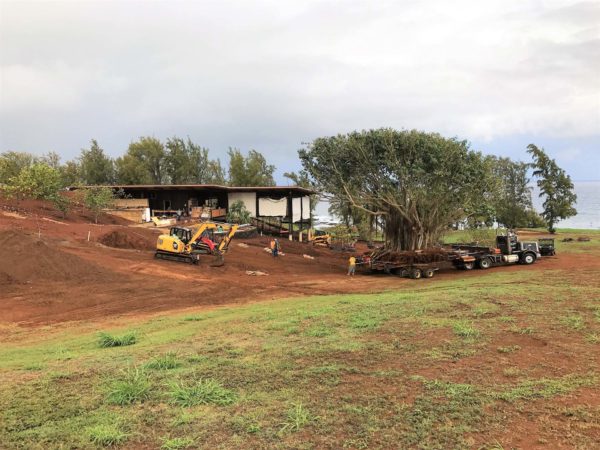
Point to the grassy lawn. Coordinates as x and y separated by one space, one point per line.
459 363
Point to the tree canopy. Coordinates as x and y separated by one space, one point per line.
250 170
95 167
418 183
512 205
188 163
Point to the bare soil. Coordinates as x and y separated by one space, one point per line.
50 272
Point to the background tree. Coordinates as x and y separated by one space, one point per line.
251 170
11 164
97 198
512 200
96 168
555 186
70 173
188 163
418 183
143 163
51 159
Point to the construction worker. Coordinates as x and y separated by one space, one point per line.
351 266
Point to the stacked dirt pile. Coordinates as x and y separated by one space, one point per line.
26 259
129 239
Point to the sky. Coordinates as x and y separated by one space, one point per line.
272 75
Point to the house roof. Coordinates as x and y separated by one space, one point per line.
204 187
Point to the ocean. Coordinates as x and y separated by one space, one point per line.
588 207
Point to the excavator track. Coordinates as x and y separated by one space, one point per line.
174 257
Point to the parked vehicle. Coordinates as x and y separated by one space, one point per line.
425 263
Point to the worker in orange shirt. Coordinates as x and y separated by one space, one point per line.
351 266
275 247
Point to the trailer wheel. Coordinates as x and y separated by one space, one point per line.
415 274
485 263
428 273
468 266
528 258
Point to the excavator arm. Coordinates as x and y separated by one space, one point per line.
224 244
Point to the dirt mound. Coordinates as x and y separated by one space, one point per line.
32 260
128 239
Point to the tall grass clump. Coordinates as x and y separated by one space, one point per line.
201 392
297 417
108 340
164 362
106 435
176 443
465 330
133 387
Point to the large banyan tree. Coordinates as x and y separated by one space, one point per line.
417 183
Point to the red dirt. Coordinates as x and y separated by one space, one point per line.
84 280
32 260
128 238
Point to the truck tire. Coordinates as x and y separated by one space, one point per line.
415 274
468 266
485 263
428 273
528 258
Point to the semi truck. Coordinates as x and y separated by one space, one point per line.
425 263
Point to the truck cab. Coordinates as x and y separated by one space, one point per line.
514 250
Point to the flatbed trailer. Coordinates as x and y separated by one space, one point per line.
425 263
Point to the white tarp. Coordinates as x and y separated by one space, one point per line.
249 199
306 207
296 205
269 207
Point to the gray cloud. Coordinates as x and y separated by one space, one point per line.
271 74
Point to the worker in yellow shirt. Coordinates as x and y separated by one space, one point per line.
351 266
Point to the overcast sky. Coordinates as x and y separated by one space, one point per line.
270 75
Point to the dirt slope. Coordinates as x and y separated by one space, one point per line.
31 260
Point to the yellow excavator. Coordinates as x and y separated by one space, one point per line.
187 244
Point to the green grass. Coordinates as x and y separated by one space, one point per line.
573 321
133 386
201 392
465 330
106 435
177 443
452 362
164 362
508 349
297 417
108 340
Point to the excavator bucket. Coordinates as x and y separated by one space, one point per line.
218 260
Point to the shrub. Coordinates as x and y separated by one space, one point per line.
202 392
108 340
238 213
134 387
